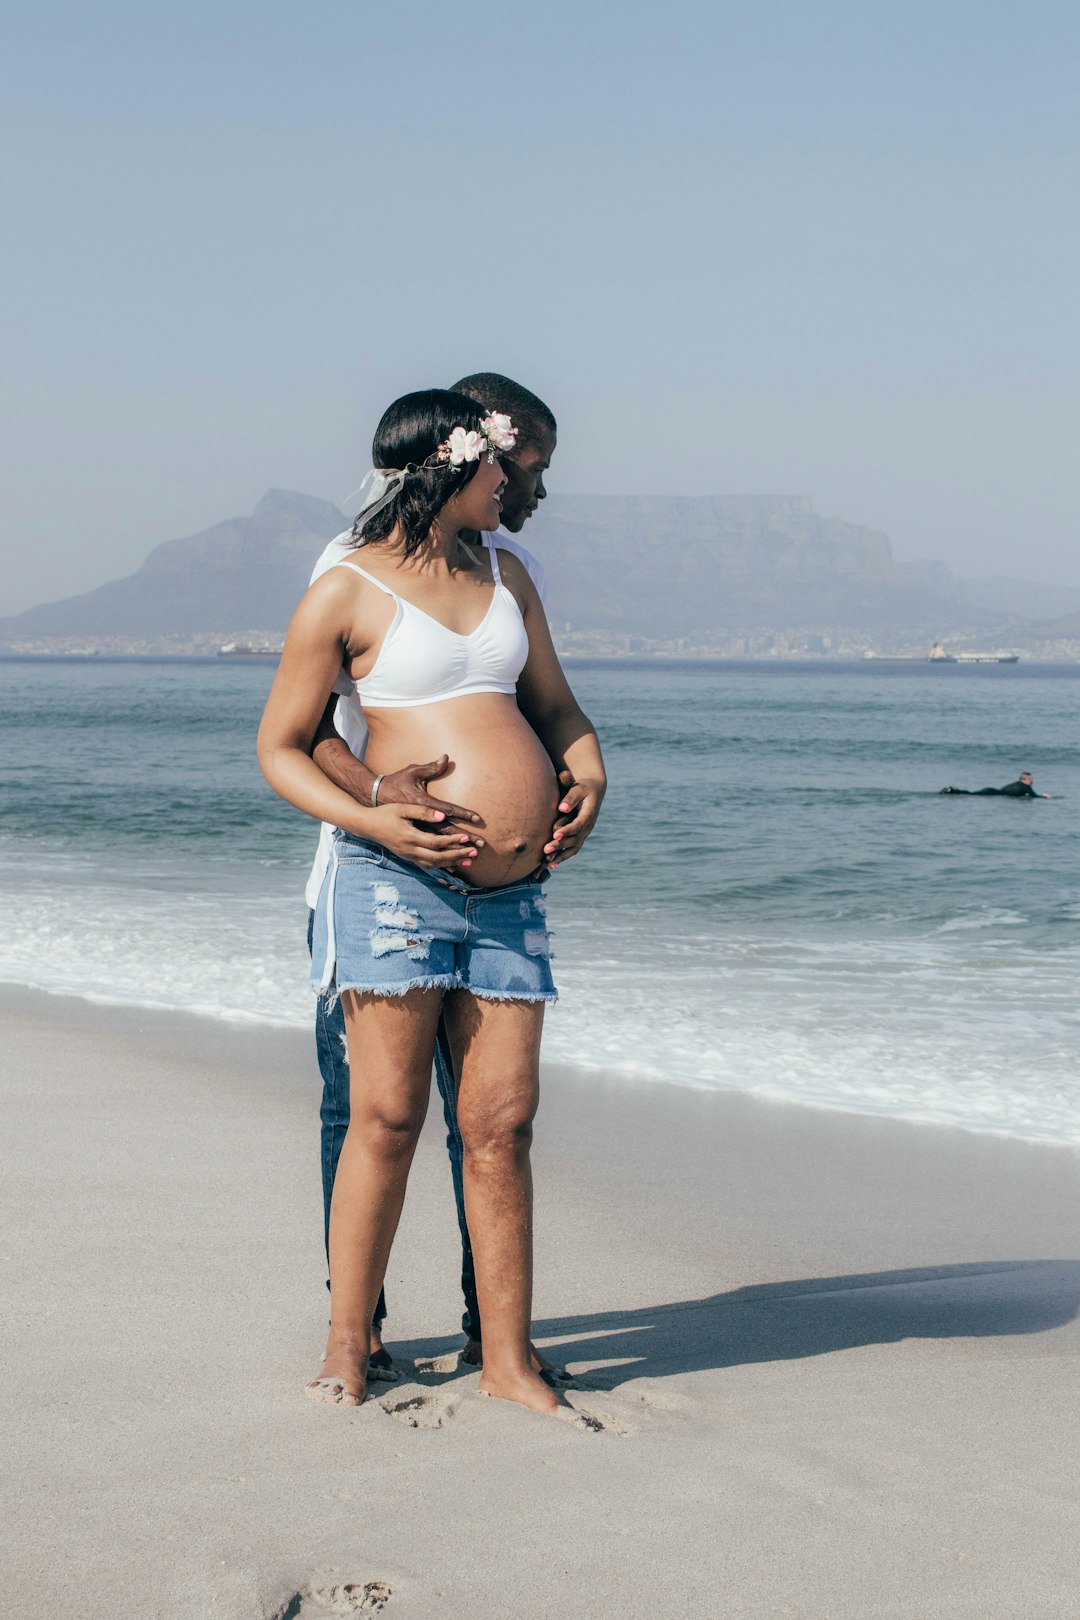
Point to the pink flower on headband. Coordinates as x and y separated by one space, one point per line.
464 444
499 431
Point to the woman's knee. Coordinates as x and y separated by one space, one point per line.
389 1130
502 1127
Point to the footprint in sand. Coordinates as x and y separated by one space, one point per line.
323 1600
590 1417
419 1408
441 1366
626 1408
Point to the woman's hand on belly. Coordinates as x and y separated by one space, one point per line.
427 838
578 810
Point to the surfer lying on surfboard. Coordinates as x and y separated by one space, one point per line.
1022 788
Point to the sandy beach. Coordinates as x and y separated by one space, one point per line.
835 1357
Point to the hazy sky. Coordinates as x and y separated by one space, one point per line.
803 246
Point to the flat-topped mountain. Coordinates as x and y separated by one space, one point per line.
667 566
656 566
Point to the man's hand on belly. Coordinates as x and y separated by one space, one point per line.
578 810
409 786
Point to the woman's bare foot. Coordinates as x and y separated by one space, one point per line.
525 1386
343 1378
473 1356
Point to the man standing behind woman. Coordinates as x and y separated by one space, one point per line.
441 641
339 750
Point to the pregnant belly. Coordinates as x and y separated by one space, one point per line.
500 769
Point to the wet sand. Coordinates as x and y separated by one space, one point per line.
835 1357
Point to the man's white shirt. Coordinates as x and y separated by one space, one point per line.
349 715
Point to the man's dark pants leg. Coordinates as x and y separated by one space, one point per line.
334 1116
446 1080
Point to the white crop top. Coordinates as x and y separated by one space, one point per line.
422 661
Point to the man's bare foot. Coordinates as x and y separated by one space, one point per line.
527 1387
381 1369
343 1378
473 1356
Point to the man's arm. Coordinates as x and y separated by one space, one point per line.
337 761
1021 790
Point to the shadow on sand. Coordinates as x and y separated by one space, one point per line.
790 1320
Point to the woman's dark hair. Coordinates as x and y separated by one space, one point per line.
407 438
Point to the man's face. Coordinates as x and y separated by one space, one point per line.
525 469
1026 778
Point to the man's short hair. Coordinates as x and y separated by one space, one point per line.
497 393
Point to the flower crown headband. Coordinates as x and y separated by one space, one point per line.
382 484
496 432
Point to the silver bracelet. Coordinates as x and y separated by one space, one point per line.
375 786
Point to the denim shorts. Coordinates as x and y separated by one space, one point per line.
386 926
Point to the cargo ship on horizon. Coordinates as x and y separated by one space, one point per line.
939 655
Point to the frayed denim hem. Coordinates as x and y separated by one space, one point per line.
510 995
441 981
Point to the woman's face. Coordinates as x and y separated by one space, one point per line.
479 505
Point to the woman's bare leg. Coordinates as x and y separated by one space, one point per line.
391 1048
498 1047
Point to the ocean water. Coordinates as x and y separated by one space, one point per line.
777 899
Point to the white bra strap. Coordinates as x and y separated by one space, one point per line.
494 555
370 577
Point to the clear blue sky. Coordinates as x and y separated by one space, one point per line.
802 246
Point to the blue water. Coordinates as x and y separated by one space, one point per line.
777 899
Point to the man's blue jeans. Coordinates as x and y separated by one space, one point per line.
333 1056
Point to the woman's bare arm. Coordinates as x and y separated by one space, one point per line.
546 701
315 647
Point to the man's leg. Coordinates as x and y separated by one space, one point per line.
447 1082
333 1054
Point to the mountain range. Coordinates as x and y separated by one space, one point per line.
655 566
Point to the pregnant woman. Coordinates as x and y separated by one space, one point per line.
450 653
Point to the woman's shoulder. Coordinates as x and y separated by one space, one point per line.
514 571
532 565
515 577
344 593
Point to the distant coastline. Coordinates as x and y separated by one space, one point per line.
636 660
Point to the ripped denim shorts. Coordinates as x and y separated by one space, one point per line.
386 926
